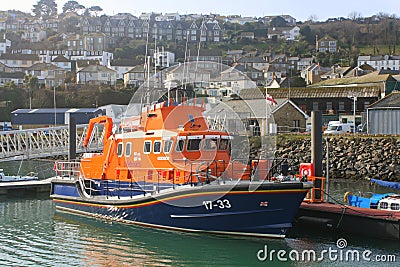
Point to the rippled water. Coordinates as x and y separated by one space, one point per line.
32 233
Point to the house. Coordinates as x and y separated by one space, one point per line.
207 55
253 62
34 34
5 45
163 59
18 62
16 77
48 74
287 33
326 44
254 74
247 35
312 74
97 75
253 113
122 66
385 62
332 101
385 82
304 63
383 116
336 72
135 77
62 62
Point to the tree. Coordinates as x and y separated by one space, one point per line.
305 31
355 15
72 6
278 22
45 9
95 9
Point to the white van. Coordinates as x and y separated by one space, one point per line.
337 127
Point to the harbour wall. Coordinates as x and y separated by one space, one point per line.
350 157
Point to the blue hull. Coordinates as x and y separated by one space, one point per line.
267 211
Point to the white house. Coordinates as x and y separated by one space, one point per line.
385 62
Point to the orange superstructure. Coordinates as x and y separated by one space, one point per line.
170 143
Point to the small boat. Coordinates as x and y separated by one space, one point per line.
167 168
15 178
387 202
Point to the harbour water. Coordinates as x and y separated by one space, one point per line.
33 233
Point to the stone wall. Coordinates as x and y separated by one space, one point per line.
349 157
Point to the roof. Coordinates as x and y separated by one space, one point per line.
20 56
390 101
96 68
57 110
42 66
255 107
61 58
373 77
326 92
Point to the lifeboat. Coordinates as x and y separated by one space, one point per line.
167 168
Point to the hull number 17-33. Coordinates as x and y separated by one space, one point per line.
218 204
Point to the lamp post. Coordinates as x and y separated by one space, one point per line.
354 97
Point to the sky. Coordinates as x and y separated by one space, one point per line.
301 10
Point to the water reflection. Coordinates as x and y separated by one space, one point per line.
32 233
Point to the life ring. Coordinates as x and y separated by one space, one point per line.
305 172
346 197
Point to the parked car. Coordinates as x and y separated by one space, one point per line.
337 127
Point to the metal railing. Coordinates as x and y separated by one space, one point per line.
45 142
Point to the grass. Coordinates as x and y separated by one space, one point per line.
380 49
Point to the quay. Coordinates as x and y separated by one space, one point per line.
35 186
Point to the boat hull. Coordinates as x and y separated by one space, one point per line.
227 209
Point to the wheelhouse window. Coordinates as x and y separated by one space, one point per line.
147 147
167 146
193 144
157 147
128 149
180 145
210 144
120 149
223 144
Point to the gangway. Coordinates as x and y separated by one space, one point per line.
46 142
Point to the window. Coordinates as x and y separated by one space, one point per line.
157 147
328 105
315 105
193 144
210 143
223 144
180 145
167 146
147 147
384 205
395 206
120 149
341 106
128 149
